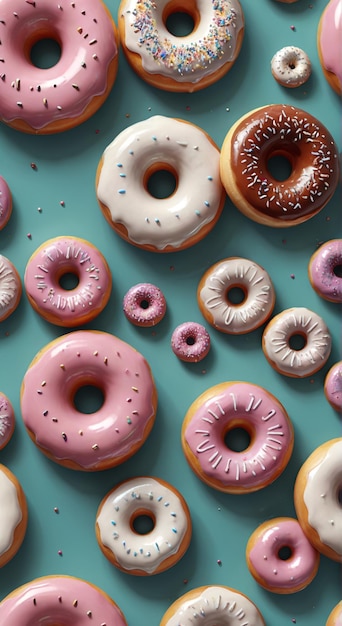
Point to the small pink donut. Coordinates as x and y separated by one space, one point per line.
217 413
59 257
323 270
5 203
190 342
144 305
280 557
7 420
333 386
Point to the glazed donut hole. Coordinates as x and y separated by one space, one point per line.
239 436
88 397
142 522
43 50
180 21
160 180
297 341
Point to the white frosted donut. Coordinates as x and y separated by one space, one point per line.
10 288
291 66
181 63
134 552
317 493
13 515
171 223
217 307
212 605
278 336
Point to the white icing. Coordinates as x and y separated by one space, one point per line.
187 150
217 605
10 512
211 45
8 286
291 66
293 322
131 549
258 303
321 495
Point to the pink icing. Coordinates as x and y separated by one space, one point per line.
283 574
190 342
62 599
333 386
249 407
5 203
331 37
7 420
61 306
123 421
321 270
144 304
87 40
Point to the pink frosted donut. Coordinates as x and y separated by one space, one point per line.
335 617
190 342
329 35
325 270
62 599
7 420
333 386
106 437
280 557
10 288
56 98
237 406
144 305
57 258
5 203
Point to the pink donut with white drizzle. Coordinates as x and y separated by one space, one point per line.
236 406
5 203
144 305
106 437
54 99
190 342
325 270
43 280
62 599
10 288
329 36
333 386
280 557
7 420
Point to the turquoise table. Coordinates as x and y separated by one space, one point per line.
58 198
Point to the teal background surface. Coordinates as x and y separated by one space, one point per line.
63 187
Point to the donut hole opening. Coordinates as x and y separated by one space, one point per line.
178 21
144 304
280 166
45 53
143 522
237 439
190 340
236 295
338 270
88 399
339 495
284 553
68 281
297 341
161 182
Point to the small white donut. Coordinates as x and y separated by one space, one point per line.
291 66
297 322
143 553
218 309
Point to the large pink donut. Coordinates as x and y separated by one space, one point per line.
62 599
47 100
114 432
226 407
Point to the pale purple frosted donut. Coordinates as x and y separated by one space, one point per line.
333 386
7 420
190 342
280 557
144 304
5 203
324 273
